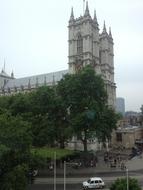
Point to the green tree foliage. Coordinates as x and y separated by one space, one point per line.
60 121
15 179
42 100
50 123
15 141
77 105
4 102
86 99
106 123
82 90
14 132
121 184
19 104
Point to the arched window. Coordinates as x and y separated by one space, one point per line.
79 44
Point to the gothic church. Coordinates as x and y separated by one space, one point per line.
86 47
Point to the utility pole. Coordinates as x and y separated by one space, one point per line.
127 174
55 170
64 175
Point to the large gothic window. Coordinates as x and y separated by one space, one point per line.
79 44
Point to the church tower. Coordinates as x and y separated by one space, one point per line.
88 47
83 41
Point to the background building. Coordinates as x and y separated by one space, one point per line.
120 105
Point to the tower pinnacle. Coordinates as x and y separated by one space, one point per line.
12 74
72 15
104 28
95 18
110 34
86 10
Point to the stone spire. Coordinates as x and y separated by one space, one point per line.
87 10
12 74
72 15
95 18
104 28
110 34
3 69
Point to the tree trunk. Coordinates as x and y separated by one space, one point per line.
62 144
84 141
85 145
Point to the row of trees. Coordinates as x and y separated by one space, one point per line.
76 106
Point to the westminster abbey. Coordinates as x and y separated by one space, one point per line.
87 46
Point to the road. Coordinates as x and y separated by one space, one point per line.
72 183
59 187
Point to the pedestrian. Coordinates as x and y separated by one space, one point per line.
91 163
51 167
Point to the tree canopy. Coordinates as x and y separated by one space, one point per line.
51 116
15 141
121 184
86 100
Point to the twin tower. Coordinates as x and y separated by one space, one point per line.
89 47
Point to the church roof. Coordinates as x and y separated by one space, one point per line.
4 74
48 78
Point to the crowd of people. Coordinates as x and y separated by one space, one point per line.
115 160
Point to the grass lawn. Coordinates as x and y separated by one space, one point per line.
46 152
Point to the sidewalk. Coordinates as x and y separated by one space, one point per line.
135 164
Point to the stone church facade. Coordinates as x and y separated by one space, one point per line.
87 46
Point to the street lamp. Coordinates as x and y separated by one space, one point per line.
66 163
64 175
55 170
127 175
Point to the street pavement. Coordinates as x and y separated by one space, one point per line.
75 177
134 166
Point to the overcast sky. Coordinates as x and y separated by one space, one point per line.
34 35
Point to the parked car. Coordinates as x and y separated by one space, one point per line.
93 183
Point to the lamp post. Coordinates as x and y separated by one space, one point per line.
127 175
67 163
64 175
54 170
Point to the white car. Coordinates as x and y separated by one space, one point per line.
93 183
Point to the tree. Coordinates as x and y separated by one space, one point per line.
15 179
45 111
85 96
59 119
50 119
121 184
106 124
41 105
15 141
19 104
